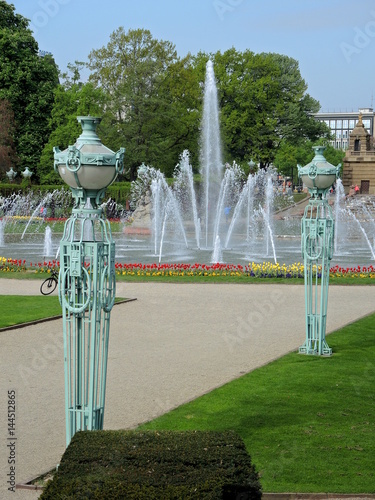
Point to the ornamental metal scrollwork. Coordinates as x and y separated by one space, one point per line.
120 161
313 171
94 159
313 247
73 160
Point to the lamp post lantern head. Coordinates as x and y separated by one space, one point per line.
11 174
27 173
88 167
318 175
142 169
251 163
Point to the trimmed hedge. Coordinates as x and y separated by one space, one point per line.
119 191
155 465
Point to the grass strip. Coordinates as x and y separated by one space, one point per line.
19 309
308 422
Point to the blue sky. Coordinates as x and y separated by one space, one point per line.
333 40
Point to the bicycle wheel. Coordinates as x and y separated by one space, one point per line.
48 286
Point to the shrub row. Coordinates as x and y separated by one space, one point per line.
119 191
155 465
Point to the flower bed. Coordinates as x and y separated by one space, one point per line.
12 265
263 270
256 270
22 218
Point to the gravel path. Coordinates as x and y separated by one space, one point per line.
172 344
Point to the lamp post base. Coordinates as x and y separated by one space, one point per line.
313 350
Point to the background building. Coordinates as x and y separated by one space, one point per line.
343 123
359 161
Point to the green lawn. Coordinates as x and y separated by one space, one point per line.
16 309
308 422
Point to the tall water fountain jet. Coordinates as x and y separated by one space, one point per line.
229 194
211 160
166 212
217 254
353 221
37 211
48 242
185 192
339 210
245 202
267 213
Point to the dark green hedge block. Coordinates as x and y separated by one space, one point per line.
155 465
119 191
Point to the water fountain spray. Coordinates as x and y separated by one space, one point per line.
211 161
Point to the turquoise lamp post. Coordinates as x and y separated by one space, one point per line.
87 276
11 174
317 239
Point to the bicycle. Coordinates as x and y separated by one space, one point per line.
49 284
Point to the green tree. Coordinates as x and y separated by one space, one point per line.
8 156
296 120
288 156
263 103
27 82
151 97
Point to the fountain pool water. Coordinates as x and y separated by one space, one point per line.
243 222
354 243
23 231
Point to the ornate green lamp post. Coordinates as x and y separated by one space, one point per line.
11 174
87 276
317 239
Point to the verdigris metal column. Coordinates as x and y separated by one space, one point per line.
317 241
87 276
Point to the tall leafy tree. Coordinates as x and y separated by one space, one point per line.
263 103
150 98
27 82
296 121
8 156
289 155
